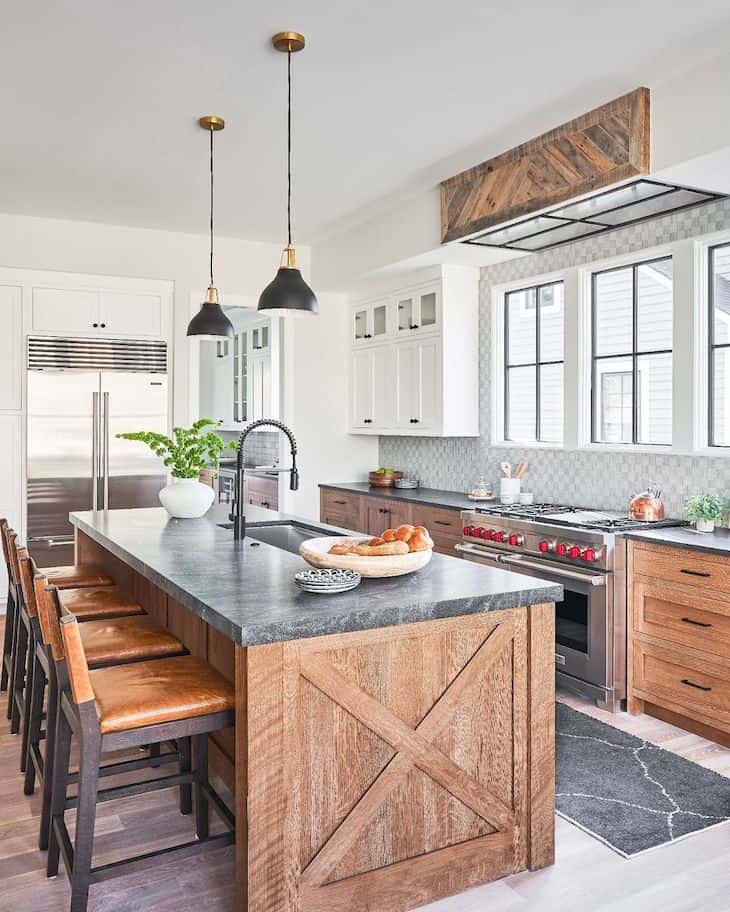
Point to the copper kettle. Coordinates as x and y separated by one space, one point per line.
647 506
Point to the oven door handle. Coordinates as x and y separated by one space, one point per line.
487 556
555 570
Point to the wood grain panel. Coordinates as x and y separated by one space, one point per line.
541 734
607 145
685 566
391 767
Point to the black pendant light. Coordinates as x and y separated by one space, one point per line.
210 322
288 293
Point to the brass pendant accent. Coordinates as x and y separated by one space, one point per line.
212 123
290 256
288 42
211 296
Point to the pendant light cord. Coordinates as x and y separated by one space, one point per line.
288 147
211 207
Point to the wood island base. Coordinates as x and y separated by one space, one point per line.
379 770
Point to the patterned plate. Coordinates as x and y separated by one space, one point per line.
327 581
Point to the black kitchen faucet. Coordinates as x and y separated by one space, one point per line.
237 515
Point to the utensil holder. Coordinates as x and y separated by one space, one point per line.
509 490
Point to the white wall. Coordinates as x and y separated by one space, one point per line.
317 355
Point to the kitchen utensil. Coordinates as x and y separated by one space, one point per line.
509 490
382 480
526 497
647 506
506 468
327 582
521 470
315 551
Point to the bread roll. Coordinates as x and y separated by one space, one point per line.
384 550
420 540
389 535
404 532
347 546
375 541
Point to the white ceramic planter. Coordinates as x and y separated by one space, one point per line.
186 498
705 525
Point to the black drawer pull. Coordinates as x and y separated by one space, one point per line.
696 623
696 573
692 684
342 503
367 420
441 522
383 510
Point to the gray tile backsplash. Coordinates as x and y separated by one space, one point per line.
262 447
601 480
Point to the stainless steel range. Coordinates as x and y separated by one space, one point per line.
584 551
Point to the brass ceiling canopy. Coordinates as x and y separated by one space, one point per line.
212 123
288 42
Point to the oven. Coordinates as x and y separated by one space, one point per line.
585 627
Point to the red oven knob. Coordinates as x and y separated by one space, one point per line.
543 546
498 536
574 552
478 532
590 554
488 534
561 549
515 539
467 530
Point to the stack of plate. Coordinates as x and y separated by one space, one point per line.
327 582
406 483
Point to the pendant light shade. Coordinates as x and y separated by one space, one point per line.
211 322
288 293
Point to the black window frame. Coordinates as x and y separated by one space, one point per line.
712 347
634 354
537 364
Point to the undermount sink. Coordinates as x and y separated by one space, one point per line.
285 535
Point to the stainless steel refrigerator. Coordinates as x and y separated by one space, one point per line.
81 393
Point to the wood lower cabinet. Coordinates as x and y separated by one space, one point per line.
262 492
679 638
371 514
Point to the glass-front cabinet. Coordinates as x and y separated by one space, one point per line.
414 311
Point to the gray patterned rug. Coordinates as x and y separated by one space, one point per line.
629 793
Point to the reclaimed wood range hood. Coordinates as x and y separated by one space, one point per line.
585 177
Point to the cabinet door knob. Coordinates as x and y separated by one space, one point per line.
367 421
383 510
103 325
414 420
95 325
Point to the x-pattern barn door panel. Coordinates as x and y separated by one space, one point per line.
404 763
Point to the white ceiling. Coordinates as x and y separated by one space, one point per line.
100 98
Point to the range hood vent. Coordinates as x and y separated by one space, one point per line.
614 208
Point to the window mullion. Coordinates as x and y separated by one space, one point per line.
537 364
634 355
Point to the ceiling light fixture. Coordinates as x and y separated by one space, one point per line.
288 293
210 322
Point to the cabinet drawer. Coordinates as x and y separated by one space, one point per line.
683 616
695 685
682 565
340 508
443 524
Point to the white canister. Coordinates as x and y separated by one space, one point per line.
509 490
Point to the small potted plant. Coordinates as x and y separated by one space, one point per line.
704 511
185 453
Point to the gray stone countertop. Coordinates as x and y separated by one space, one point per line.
717 542
247 591
431 497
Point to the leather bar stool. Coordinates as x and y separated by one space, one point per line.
9 613
106 642
122 707
74 576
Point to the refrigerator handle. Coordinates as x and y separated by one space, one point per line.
95 451
105 444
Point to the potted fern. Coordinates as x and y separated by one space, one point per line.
705 510
185 453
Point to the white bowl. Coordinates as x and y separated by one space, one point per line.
315 551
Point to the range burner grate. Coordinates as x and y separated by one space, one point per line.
578 517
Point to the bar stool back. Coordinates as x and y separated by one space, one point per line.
173 699
9 613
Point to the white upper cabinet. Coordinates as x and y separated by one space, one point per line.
415 359
11 348
96 312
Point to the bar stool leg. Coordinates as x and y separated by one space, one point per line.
186 791
86 812
16 694
13 655
48 760
7 639
32 732
30 666
61 758
200 799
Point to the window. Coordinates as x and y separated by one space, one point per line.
631 389
533 364
719 336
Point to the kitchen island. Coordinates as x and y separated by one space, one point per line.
393 744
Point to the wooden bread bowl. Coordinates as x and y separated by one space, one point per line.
315 551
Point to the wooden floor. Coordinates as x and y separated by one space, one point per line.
690 876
